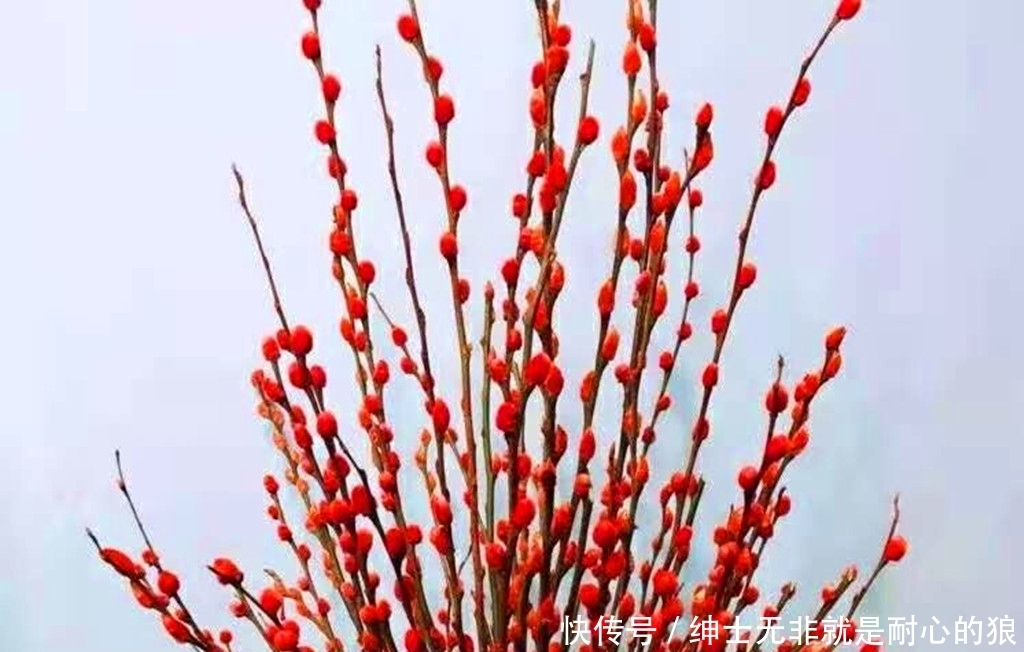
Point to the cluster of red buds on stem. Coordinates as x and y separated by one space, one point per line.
537 552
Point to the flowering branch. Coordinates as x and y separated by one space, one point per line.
540 553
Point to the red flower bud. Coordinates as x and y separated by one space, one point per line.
440 415
696 198
588 130
367 272
331 87
767 176
704 116
122 563
537 369
801 92
776 399
834 339
271 600
408 28
227 571
271 351
627 191
399 337
588 446
444 110
449 246
168 583
441 509
648 37
495 555
773 122
606 298
610 345
300 341
747 275
719 320
847 9
311 46
748 478
895 549
665 582
507 417
523 514
457 198
435 154
631 60
710 376
271 485
177 629
327 425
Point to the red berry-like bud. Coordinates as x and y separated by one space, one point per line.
588 130
835 339
327 425
776 399
665 582
311 46
610 345
588 446
271 350
648 37
271 600
766 178
331 87
301 341
773 122
537 369
507 417
696 198
286 640
444 110
435 154
495 555
748 478
408 28
168 583
747 275
562 35
399 336
710 376
367 272
311 5
895 549
440 415
631 60
227 571
719 320
704 116
434 69
449 246
441 509
271 485
324 132
801 92
847 9
457 198
177 629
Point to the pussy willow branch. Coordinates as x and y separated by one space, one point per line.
525 556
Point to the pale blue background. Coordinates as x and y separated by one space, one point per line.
133 303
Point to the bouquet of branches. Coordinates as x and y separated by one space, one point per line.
551 564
